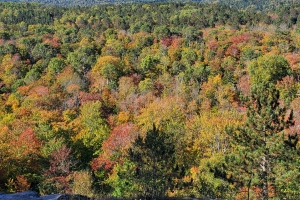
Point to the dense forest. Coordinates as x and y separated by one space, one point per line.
150 100
240 4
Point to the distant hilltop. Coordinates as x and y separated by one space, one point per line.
240 4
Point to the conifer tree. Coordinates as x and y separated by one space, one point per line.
154 160
260 141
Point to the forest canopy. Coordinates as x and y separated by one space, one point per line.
150 100
240 4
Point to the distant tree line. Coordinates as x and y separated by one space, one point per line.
239 4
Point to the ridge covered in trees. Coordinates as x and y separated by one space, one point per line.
240 4
150 100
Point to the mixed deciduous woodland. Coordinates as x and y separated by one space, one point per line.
150 100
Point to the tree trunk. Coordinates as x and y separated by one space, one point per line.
264 176
264 169
249 186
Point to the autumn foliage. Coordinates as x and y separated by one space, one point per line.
142 100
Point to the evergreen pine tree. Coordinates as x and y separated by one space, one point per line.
154 160
260 142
